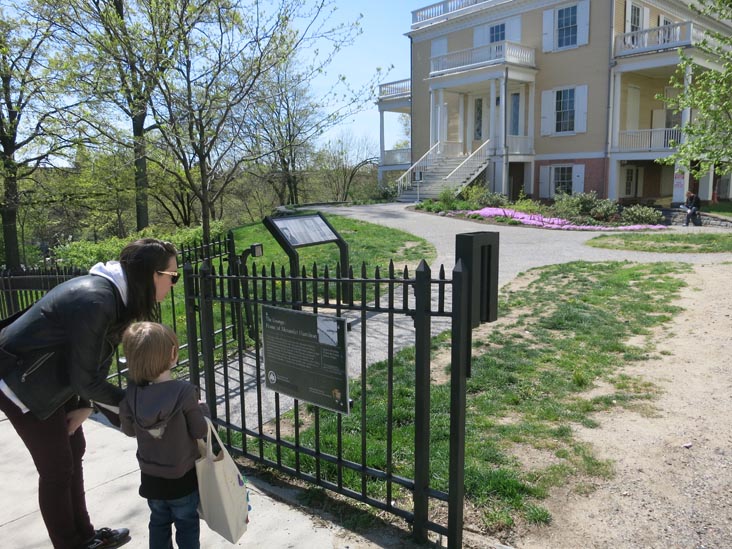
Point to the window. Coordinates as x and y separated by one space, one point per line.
562 179
635 18
497 33
567 27
515 108
478 120
564 111
629 182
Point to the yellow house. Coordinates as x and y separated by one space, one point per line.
547 96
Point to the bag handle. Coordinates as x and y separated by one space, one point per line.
209 446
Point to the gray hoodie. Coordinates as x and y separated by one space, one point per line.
167 419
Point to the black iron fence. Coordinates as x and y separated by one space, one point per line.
380 453
383 452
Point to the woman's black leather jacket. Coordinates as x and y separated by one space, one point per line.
64 346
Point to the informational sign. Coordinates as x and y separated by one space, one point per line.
679 180
304 230
305 356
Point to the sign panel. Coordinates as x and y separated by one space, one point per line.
305 356
303 230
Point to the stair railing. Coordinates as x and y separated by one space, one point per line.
427 160
468 167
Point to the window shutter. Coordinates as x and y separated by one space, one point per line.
578 178
646 23
583 22
548 31
544 191
580 109
480 36
513 29
628 10
439 47
547 112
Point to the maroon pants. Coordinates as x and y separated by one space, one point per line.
57 457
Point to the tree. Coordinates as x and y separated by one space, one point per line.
341 160
201 103
120 49
36 115
708 139
289 118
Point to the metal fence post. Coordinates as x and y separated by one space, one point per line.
191 308
422 326
207 334
458 381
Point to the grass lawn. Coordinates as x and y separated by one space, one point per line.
368 243
666 242
720 208
566 329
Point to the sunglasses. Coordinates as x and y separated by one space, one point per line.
173 276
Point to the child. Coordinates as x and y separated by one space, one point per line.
167 418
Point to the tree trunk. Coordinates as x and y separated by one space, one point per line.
9 214
141 185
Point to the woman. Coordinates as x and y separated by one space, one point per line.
56 358
692 207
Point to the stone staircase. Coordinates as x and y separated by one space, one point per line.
433 181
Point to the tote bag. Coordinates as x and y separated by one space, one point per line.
222 490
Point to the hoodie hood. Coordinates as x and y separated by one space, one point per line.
112 271
155 404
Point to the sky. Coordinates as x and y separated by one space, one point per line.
382 44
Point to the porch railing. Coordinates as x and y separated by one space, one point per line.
440 9
665 37
520 144
649 140
394 157
499 52
399 88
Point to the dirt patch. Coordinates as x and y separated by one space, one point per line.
672 486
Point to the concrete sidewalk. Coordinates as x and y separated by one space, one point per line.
112 480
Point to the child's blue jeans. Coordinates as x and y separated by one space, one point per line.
183 512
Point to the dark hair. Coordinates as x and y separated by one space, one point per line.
150 349
140 260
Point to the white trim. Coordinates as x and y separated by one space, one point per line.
568 157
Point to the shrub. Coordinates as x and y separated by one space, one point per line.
641 215
84 254
477 196
447 199
585 208
605 210
526 205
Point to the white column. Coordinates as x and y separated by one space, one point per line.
461 120
615 120
686 113
433 122
492 109
532 107
381 136
504 133
681 184
502 107
442 125
705 185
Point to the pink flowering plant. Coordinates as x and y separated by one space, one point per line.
577 212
